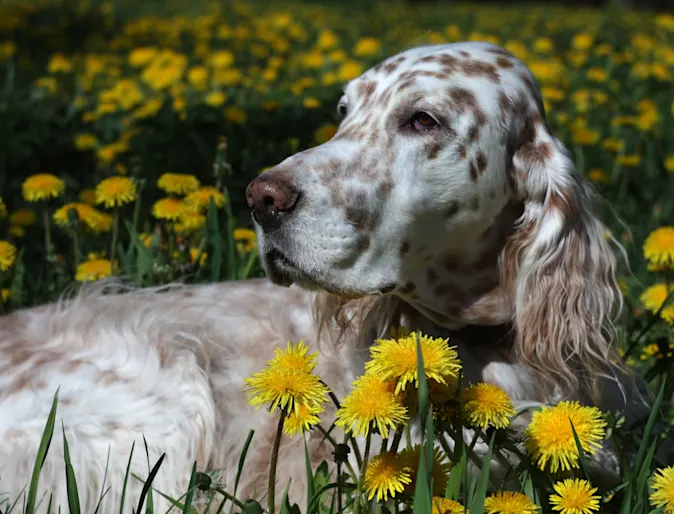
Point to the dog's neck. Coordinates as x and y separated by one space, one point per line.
456 291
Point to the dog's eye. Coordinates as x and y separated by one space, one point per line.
341 109
423 121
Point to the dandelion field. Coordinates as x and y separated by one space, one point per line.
129 133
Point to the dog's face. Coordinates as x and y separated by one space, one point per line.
418 172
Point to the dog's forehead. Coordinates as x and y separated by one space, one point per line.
435 67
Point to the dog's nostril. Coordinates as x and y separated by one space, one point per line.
270 197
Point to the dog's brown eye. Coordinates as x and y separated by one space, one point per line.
423 121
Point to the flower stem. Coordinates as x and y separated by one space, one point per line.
396 440
361 479
47 231
115 231
271 490
76 249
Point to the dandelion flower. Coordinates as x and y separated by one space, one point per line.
190 221
92 270
295 356
23 218
302 419
42 187
663 489
168 208
371 402
447 506
115 191
509 502
487 404
441 468
655 296
574 496
7 255
200 198
177 183
550 438
659 247
386 475
92 218
245 238
396 359
286 381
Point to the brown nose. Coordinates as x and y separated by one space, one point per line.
272 197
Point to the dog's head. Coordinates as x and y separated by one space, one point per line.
445 186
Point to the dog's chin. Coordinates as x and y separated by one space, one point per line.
283 272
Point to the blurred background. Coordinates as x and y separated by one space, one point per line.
209 94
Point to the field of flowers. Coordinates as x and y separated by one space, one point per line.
129 132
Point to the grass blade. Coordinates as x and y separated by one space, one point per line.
71 482
310 475
126 479
242 460
148 484
47 435
190 492
480 495
581 454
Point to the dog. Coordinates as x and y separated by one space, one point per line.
444 203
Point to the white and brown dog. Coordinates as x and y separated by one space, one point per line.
444 203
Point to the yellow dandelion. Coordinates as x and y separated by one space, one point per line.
190 221
654 298
509 502
170 209
659 247
441 468
487 404
302 420
371 403
295 356
23 218
447 506
246 239
396 359
93 270
663 489
550 439
325 133
574 496
194 255
5 294
87 195
200 198
92 218
115 191
7 255
177 183
42 187
386 475
286 381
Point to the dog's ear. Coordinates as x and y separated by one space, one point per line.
561 268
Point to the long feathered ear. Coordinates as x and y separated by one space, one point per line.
562 270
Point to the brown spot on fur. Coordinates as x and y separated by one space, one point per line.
504 62
504 104
366 89
433 148
464 101
473 171
482 69
384 189
564 203
452 209
465 54
475 203
364 243
461 151
481 162
404 248
472 133
391 66
499 51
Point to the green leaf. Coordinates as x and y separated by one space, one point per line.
422 495
310 475
480 495
581 454
41 456
126 479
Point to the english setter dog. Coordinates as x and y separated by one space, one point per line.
443 203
